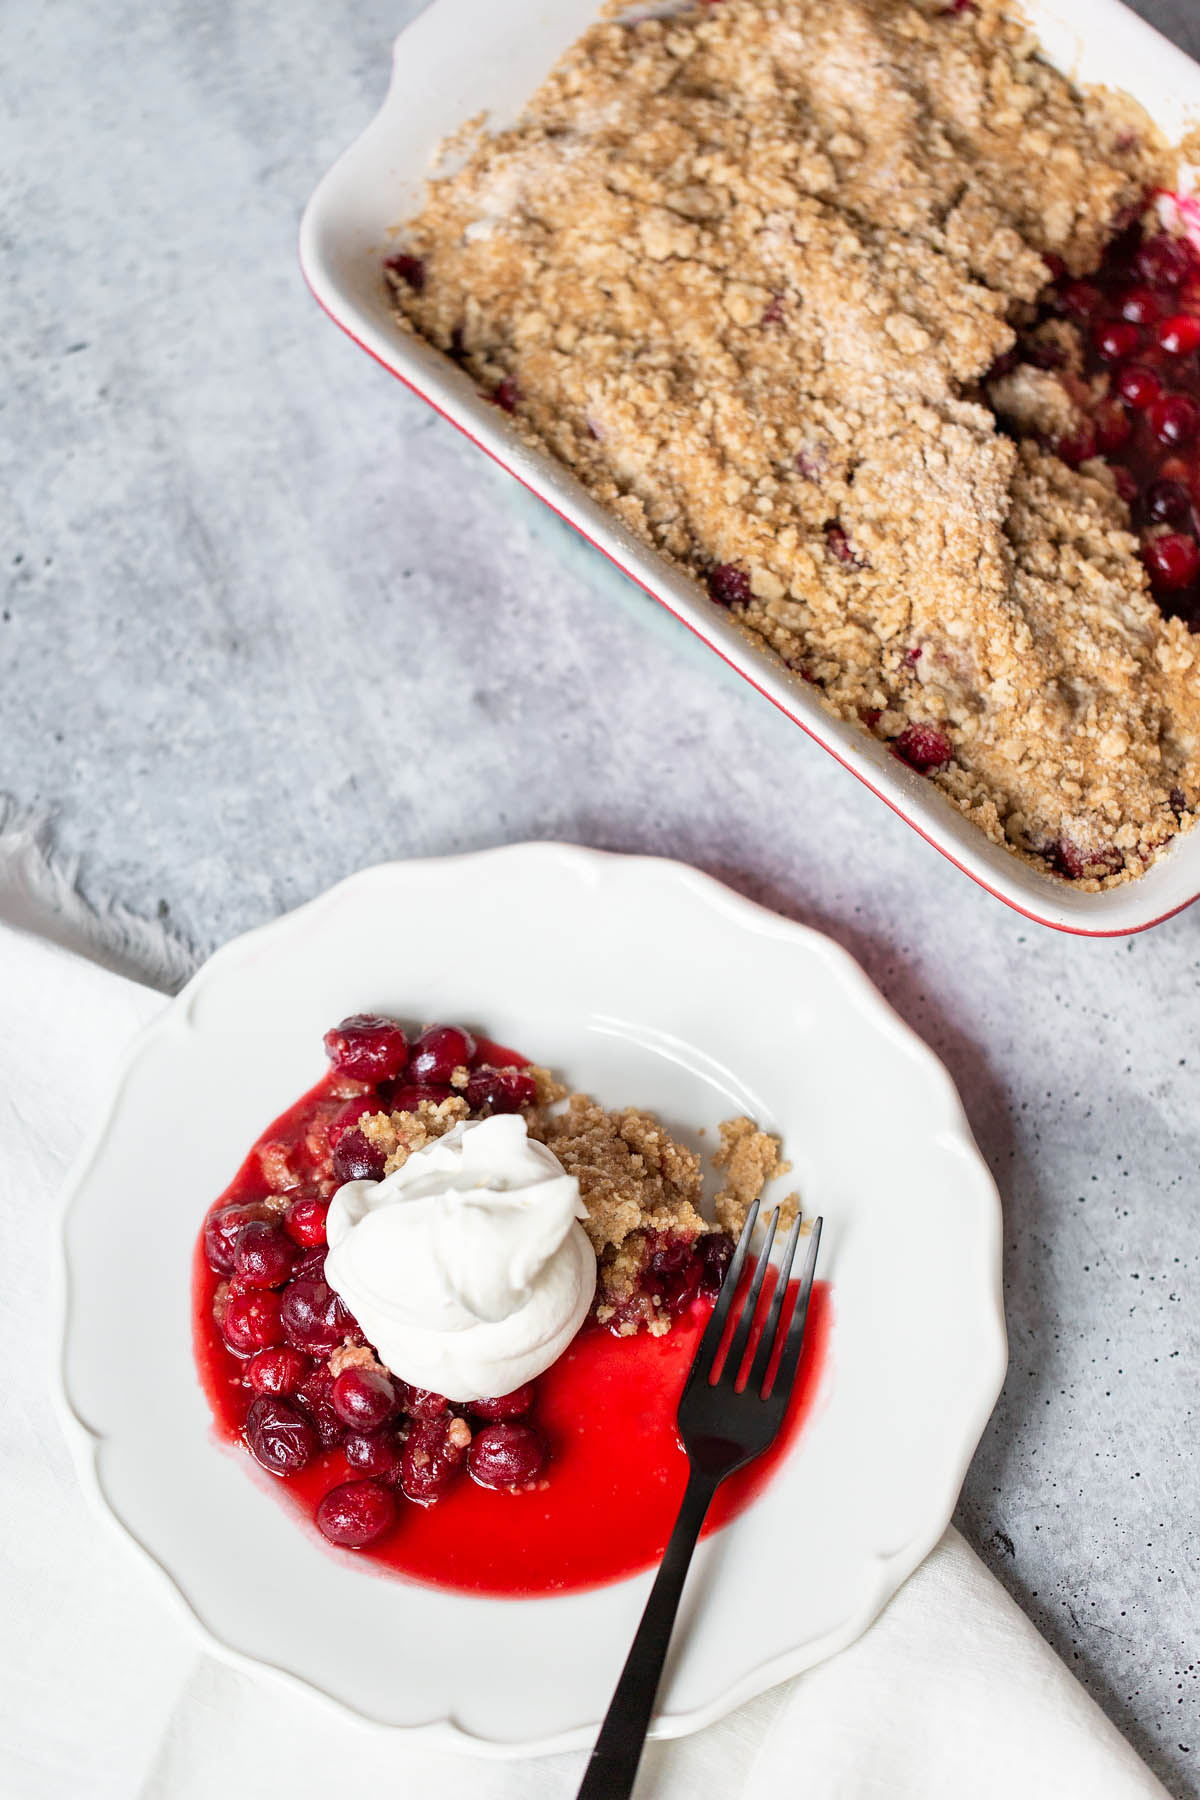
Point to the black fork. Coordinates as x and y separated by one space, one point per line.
722 1428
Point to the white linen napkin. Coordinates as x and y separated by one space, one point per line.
106 1693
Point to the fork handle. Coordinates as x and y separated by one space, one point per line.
614 1761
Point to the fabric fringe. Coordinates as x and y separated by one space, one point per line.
39 892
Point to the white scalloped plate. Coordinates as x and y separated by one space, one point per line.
642 981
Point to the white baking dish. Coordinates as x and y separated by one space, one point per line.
465 57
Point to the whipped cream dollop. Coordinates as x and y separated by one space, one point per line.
466 1267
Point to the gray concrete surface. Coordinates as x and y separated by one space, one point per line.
266 620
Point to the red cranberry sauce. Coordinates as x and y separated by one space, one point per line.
570 1481
1139 318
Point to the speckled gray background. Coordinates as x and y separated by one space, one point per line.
267 620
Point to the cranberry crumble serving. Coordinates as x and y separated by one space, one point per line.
402 1283
863 315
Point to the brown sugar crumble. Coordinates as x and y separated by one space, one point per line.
638 1185
398 1134
750 1158
745 270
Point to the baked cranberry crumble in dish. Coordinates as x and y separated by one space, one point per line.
451 1308
867 318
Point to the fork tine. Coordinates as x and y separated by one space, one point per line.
714 1331
737 1344
756 1380
789 1361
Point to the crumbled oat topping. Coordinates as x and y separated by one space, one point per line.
743 270
398 1134
354 1356
636 1183
750 1158
548 1090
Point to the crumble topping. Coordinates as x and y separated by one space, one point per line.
354 1356
458 1433
398 1134
638 1185
743 269
751 1158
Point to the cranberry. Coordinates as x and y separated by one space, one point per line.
438 1052
1179 335
1055 264
433 1459
1168 503
408 1099
263 1256
500 1090
355 1159
673 1273
279 1371
922 747
422 1403
311 1266
1138 386
1081 299
839 545
1140 306
729 585
507 395
376 1453
368 1047
505 1406
1071 859
363 1398
279 1436
715 1251
1115 339
1125 484
503 1456
1114 427
350 1114
1077 446
252 1321
315 1397
1045 355
304 1222
1175 419
671 1255
356 1513
223 1228
1173 561
680 1289
312 1319
410 269
1163 261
